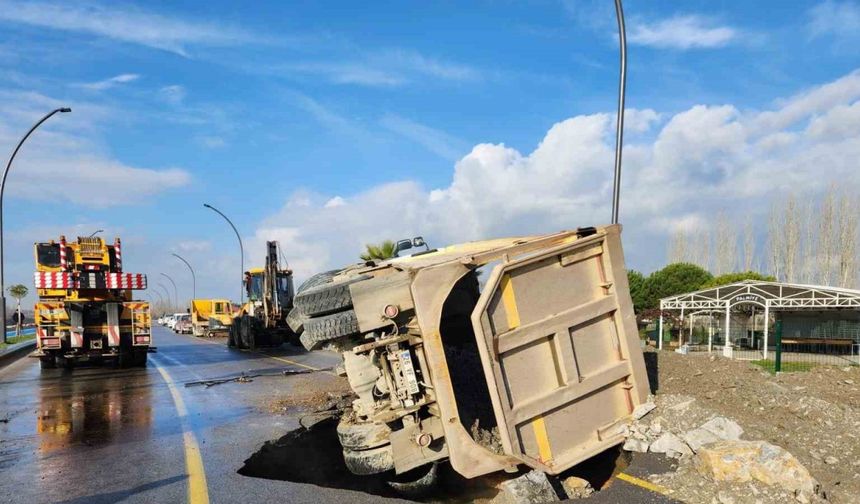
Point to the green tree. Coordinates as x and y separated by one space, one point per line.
17 291
730 278
638 289
384 250
672 280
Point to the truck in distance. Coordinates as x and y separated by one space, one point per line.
86 309
211 317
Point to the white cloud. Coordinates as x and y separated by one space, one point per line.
701 161
682 32
640 120
385 68
334 202
123 23
194 246
111 82
436 141
211 142
65 161
838 19
173 94
347 73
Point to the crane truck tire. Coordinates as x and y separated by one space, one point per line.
321 330
327 298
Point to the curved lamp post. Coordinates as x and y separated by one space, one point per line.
167 293
193 276
619 126
175 290
97 231
2 190
241 249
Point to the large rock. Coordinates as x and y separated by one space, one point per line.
530 488
723 428
742 461
636 445
715 429
576 488
671 445
643 409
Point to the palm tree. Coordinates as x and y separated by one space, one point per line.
18 291
384 250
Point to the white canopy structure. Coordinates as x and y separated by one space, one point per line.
770 296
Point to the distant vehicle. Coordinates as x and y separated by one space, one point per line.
183 324
211 316
86 309
172 319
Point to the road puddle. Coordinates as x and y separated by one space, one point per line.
314 456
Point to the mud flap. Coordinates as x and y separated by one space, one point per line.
113 324
76 329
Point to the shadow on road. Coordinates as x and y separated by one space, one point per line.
121 495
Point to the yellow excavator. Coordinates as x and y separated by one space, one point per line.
262 319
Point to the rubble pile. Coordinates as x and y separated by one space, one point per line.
742 435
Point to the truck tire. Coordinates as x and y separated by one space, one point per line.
367 462
318 279
140 358
320 330
327 298
296 320
362 436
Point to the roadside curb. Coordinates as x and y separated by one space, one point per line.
16 351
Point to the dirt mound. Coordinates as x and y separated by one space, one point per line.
814 415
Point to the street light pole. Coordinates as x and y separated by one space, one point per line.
167 293
193 276
175 290
619 126
2 190
241 250
97 232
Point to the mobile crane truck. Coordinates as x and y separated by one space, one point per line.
86 310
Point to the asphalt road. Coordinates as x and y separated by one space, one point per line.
98 434
105 435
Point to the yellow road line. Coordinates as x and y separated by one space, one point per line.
642 483
198 492
288 361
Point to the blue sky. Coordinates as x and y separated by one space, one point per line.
328 125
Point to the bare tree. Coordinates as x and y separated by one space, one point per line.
808 259
776 242
791 234
726 244
703 248
847 241
678 246
749 245
826 237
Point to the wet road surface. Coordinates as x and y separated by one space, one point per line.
98 434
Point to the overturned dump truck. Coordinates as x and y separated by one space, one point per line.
492 354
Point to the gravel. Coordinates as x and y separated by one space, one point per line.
814 415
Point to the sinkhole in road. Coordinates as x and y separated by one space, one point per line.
314 456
